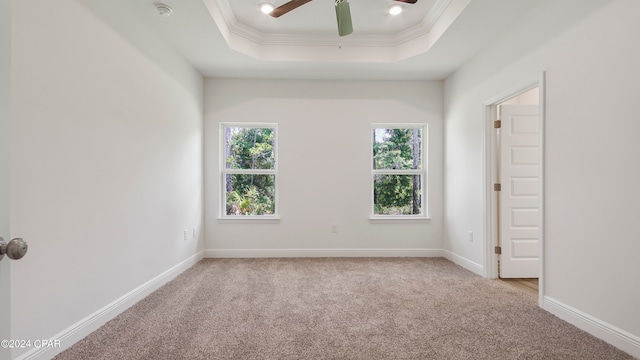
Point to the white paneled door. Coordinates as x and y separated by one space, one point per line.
520 200
5 40
5 296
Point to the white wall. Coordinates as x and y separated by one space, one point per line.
531 97
325 160
106 161
590 52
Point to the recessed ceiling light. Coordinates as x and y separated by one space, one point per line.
395 9
266 8
164 10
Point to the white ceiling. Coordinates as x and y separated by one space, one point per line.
232 38
370 17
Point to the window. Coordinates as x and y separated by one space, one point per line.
249 170
399 170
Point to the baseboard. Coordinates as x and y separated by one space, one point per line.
617 337
464 262
271 253
84 327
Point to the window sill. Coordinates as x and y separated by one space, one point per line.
383 218
250 219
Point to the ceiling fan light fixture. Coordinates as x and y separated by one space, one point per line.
395 10
266 8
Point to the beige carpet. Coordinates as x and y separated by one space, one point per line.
337 308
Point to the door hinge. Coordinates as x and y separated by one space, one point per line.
497 187
497 124
498 250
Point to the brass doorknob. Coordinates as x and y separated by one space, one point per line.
15 249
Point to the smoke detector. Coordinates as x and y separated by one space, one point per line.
163 10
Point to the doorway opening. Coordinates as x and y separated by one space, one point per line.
514 134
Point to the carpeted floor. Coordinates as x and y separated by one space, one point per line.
337 308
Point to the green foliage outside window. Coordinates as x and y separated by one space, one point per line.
397 149
249 149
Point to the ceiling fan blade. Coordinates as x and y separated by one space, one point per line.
343 14
407 1
285 8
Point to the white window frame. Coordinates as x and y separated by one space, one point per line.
224 171
423 171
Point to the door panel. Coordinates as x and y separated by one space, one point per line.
520 195
525 186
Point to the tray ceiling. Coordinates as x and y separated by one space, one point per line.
233 39
309 32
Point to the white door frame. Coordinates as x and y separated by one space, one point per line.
489 200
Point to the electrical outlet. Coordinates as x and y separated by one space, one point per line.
193 234
334 228
470 236
186 235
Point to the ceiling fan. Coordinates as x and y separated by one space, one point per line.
343 12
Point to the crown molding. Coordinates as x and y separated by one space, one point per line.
426 25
